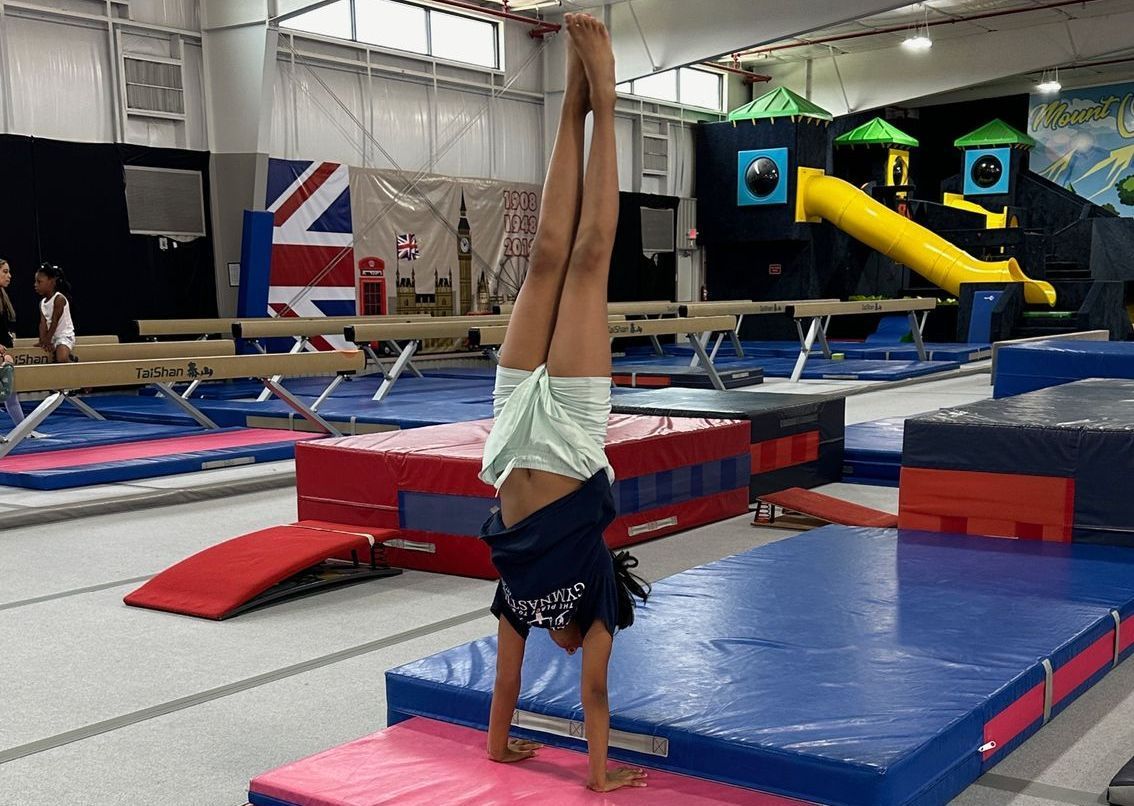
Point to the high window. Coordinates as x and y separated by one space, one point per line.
405 26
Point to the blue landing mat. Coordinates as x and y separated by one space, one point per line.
864 351
872 452
445 386
62 431
816 368
855 370
842 666
404 411
1024 368
129 461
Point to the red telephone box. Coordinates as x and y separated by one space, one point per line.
371 286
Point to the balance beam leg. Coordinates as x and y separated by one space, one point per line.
395 372
295 404
394 346
915 331
198 416
711 370
804 347
656 345
29 423
823 345
300 343
82 406
188 393
326 393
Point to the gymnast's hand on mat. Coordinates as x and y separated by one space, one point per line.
517 750
616 779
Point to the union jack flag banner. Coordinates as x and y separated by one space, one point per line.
312 270
407 247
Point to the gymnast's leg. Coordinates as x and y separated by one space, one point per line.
580 344
533 316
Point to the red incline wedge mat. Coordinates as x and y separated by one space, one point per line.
148 449
830 509
424 763
673 474
222 580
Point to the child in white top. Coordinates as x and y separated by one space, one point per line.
56 328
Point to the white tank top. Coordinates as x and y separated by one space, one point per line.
66 329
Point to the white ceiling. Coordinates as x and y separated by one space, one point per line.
870 33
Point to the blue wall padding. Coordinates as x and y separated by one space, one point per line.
980 320
255 264
846 665
1026 367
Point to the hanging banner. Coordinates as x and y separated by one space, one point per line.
449 246
1086 143
312 270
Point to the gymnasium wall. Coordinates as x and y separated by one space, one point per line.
61 65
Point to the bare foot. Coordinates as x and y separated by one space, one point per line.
577 89
592 43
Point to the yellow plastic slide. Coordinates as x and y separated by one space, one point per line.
826 197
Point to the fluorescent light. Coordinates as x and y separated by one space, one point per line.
1049 87
917 43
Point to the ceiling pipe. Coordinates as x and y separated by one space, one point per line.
540 28
747 75
894 29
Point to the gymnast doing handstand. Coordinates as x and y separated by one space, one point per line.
551 403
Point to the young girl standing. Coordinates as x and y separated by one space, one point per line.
552 399
56 329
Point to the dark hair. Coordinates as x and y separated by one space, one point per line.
53 272
630 586
6 301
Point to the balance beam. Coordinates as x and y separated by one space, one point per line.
79 340
738 308
311 326
650 308
28 356
200 328
821 311
304 328
408 334
692 327
161 372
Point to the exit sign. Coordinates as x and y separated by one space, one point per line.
775 269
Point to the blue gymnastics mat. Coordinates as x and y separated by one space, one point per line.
61 432
855 370
872 452
459 385
841 666
397 411
144 459
1027 367
865 351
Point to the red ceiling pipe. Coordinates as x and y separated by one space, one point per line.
901 28
540 28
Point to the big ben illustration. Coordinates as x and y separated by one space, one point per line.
464 258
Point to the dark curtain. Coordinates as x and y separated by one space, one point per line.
66 204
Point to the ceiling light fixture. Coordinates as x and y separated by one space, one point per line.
1049 83
918 41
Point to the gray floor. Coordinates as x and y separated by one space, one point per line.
104 704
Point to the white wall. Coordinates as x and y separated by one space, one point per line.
59 70
366 106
